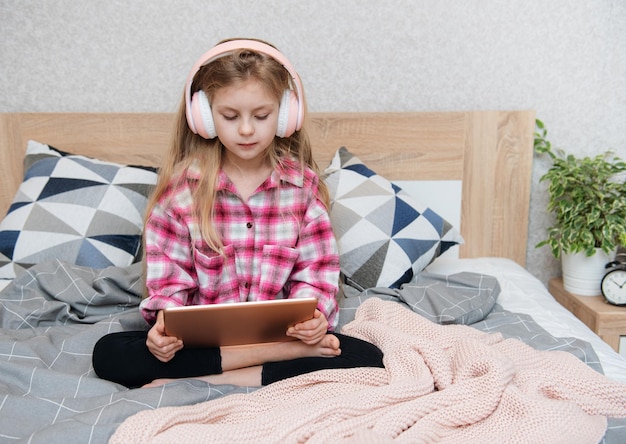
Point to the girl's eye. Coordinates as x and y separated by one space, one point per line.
229 117
262 117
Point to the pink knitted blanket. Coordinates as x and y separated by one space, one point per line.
441 383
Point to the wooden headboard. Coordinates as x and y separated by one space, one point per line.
489 151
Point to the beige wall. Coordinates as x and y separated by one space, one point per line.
564 58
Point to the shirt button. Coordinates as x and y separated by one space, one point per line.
249 225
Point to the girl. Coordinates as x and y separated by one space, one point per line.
239 214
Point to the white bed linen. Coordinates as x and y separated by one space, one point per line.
521 292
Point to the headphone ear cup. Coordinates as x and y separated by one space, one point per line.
287 114
202 115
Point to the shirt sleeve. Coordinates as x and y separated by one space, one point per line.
316 272
169 266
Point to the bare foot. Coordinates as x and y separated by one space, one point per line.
241 356
328 346
249 376
158 382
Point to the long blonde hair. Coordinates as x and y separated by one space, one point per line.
187 147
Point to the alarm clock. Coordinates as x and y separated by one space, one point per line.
613 285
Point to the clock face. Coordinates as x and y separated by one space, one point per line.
614 287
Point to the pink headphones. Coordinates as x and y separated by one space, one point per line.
198 108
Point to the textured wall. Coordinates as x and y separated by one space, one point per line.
564 58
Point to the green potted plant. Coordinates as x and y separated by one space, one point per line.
588 199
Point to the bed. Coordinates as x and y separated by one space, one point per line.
484 350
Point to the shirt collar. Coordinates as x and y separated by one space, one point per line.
288 171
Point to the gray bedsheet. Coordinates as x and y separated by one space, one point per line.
51 316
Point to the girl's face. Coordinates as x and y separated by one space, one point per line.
246 117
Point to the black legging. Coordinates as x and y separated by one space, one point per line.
124 358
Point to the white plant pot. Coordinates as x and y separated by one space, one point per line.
583 274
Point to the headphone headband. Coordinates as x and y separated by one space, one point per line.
225 48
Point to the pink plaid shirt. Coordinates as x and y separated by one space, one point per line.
279 244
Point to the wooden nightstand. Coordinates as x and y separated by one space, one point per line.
606 320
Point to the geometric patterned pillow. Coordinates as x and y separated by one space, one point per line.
385 236
81 210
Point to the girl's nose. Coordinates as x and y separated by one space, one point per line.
246 127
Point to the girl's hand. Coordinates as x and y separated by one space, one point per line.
163 347
312 331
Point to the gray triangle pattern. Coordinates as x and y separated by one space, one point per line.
41 219
370 256
368 275
352 261
347 220
39 227
103 221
